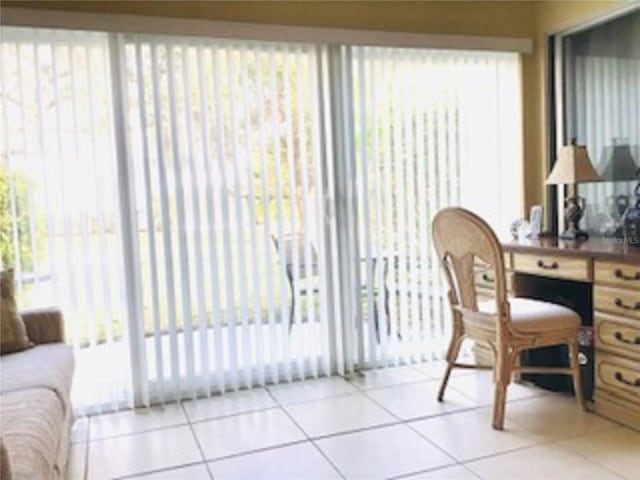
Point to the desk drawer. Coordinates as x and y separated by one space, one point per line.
485 278
617 300
617 335
618 274
618 376
552 266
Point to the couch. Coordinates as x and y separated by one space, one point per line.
35 406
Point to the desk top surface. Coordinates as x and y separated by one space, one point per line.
604 248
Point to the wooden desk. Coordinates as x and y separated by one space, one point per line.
611 272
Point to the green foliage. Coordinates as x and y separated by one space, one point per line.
18 187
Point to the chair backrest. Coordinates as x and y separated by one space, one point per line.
463 241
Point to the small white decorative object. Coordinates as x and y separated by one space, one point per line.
535 219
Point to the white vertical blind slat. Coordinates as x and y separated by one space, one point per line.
174 360
199 264
214 274
238 193
150 226
255 264
266 199
232 345
178 153
275 137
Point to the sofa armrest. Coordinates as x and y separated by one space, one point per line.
44 325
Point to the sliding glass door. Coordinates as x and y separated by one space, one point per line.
60 226
433 129
226 165
213 215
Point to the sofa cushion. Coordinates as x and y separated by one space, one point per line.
32 423
43 366
13 333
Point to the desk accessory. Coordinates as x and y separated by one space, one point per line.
573 166
631 219
535 219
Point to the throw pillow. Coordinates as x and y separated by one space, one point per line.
13 333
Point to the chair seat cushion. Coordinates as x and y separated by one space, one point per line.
529 315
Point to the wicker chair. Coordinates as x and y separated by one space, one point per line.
508 326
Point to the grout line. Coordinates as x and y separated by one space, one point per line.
466 467
195 437
313 440
407 424
159 470
257 450
176 425
418 472
139 432
231 415
306 435
592 459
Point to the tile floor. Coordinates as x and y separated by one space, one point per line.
383 424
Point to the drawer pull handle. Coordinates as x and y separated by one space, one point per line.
620 338
620 274
551 266
487 278
620 304
619 377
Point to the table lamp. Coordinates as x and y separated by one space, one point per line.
573 166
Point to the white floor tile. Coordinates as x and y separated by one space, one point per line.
228 404
469 435
417 400
338 414
192 472
386 377
540 462
617 449
246 432
437 368
138 420
77 461
555 417
80 430
481 389
308 390
142 452
382 453
457 472
295 462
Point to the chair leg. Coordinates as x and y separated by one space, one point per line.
499 400
502 378
575 368
452 355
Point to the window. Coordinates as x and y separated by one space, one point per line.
217 214
601 93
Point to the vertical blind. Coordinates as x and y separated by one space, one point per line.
425 139
225 155
59 178
213 214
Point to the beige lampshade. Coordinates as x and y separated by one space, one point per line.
573 166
